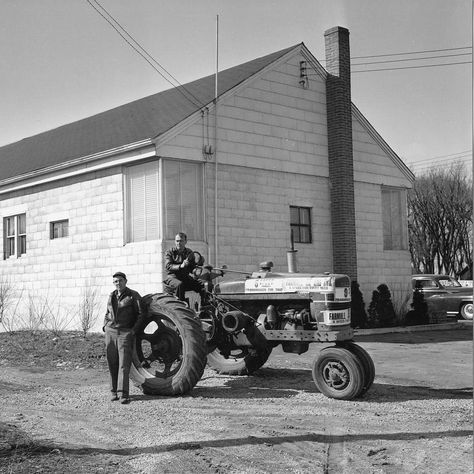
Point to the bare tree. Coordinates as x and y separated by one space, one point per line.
440 221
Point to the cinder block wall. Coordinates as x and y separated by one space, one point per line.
55 272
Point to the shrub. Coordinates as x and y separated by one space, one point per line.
358 313
419 312
381 311
401 299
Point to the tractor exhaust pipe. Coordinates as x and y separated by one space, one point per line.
234 321
291 256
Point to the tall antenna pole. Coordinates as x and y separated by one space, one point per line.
216 237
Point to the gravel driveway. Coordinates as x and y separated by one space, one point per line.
417 417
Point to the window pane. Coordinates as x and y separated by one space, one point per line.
152 193
294 215
183 199
143 202
394 235
22 245
9 247
22 224
172 199
296 233
304 216
304 235
10 226
59 229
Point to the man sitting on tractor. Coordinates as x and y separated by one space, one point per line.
179 263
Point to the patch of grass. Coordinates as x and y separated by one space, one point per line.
68 349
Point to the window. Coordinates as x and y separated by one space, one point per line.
143 202
184 202
425 284
394 219
59 229
300 223
14 241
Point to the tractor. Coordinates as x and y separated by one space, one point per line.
241 320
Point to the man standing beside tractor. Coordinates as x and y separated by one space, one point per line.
179 263
123 319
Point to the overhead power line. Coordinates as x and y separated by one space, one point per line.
412 52
453 156
420 59
412 67
410 59
138 48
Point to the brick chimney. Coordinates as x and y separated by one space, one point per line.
341 165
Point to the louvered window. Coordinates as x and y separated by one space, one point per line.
143 202
183 196
394 215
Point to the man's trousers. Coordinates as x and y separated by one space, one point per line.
119 344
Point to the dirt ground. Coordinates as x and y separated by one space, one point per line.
417 417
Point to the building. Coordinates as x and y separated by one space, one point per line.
283 148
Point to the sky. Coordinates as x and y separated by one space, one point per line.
61 61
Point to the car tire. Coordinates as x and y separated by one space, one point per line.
466 311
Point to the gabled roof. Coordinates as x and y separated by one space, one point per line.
143 119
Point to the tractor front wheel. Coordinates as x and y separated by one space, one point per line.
366 361
338 373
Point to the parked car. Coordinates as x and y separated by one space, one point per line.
445 293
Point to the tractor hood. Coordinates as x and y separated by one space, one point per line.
270 282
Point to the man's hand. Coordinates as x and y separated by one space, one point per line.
185 264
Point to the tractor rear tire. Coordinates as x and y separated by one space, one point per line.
338 373
242 361
367 364
170 360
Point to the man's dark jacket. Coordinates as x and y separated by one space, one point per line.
174 258
128 313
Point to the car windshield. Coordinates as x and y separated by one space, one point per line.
448 282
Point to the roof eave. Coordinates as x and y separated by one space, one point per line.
33 177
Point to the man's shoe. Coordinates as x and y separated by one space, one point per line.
114 397
124 400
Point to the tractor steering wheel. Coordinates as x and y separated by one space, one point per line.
199 260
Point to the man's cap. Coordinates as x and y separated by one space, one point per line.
119 274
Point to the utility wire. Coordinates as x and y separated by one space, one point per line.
412 52
410 59
454 156
412 67
136 46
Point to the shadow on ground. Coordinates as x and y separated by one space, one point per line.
257 440
269 383
419 337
